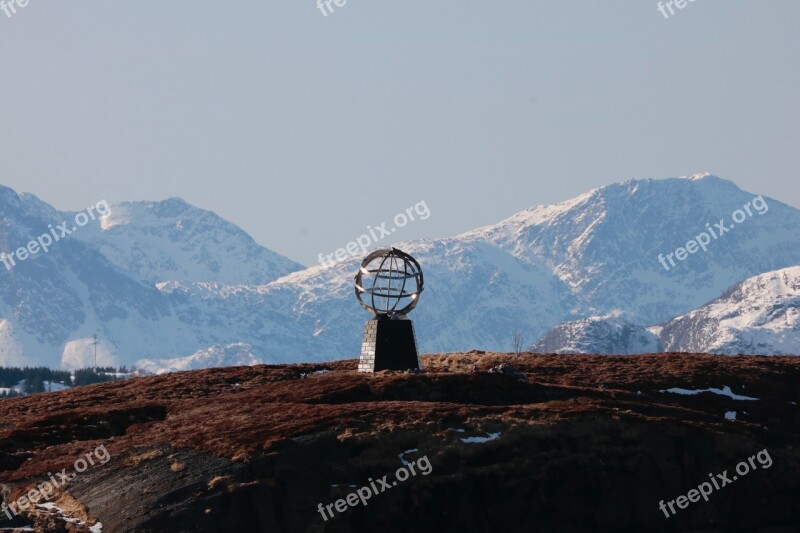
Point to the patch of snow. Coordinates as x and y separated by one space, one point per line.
61 514
696 177
118 375
18 388
51 386
116 216
730 415
724 391
402 455
471 440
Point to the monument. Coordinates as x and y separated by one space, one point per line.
388 285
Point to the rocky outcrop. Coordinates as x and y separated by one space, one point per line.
587 443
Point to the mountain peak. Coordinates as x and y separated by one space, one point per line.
173 206
699 176
9 197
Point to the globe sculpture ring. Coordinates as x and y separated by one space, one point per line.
389 283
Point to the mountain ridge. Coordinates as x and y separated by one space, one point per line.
135 270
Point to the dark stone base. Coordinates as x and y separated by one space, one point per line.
389 344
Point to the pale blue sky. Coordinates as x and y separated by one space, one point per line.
303 129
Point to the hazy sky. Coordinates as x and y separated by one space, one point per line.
303 129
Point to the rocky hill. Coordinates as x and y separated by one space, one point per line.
514 443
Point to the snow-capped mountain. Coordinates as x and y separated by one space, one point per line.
51 304
165 280
236 354
595 255
475 296
759 315
598 335
605 244
172 240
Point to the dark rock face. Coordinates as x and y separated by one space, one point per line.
588 443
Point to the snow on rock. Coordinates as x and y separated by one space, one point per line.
760 315
605 244
473 440
62 517
724 391
402 455
172 240
51 386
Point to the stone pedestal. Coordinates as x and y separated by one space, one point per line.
389 344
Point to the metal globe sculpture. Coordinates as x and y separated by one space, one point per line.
388 285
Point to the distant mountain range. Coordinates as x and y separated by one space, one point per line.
760 315
160 281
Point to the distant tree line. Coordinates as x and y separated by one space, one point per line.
87 376
35 378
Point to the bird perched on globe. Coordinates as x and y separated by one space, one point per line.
388 284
